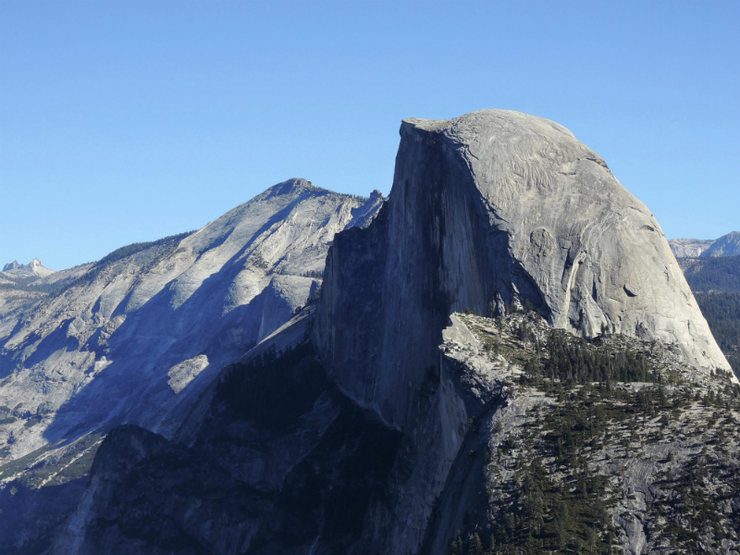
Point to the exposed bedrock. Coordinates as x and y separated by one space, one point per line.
487 209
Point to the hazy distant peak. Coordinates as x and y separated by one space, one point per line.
33 268
11 266
685 247
727 245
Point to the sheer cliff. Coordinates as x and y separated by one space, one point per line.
488 209
572 412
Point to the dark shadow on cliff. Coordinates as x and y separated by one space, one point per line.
222 493
27 524
135 383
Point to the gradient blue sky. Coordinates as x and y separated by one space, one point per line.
128 121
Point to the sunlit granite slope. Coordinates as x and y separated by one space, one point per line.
491 208
138 331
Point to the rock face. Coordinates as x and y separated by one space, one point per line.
252 478
640 440
152 318
380 420
137 336
727 245
491 208
689 248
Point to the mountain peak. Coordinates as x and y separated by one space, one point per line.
488 210
480 125
11 266
291 186
727 245
33 269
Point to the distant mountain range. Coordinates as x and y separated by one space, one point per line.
34 269
727 245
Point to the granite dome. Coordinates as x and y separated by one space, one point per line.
492 208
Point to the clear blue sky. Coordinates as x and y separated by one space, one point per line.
125 121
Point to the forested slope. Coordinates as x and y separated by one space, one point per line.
715 282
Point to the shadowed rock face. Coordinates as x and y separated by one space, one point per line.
138 336
277 457
140 331
486 209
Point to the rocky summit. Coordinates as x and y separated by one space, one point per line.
137 336
489 209
506 358
33 269
727 245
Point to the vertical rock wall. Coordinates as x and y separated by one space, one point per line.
486 209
